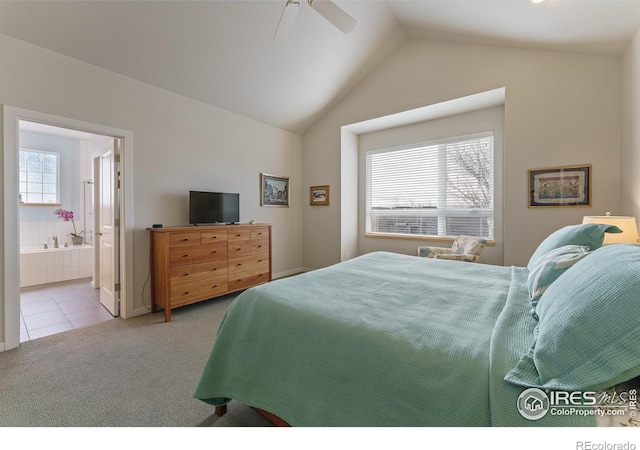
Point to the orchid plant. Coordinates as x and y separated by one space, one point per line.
67 216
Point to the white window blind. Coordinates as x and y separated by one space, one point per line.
39 176
442 188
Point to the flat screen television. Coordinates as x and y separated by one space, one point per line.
213 207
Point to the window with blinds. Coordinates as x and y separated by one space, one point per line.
39 179
442 188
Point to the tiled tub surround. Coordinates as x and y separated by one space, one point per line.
36 234
39 265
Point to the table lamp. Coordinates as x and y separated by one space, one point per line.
626 223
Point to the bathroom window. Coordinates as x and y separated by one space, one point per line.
39 177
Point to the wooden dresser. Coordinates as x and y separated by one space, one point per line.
194 263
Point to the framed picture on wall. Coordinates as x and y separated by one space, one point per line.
319 195
274 190
560 187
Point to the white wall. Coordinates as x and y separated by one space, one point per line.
560 109
180 144
631 130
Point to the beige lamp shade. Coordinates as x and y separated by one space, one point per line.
626 223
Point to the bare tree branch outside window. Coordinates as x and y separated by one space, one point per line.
470 184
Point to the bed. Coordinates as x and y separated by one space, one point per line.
393 340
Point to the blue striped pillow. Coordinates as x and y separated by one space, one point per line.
550 266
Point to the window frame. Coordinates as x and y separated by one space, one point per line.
24 202
441 214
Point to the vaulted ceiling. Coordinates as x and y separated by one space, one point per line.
223 53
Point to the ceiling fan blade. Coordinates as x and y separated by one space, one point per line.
287 19
334 14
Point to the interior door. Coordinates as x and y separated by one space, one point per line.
108 228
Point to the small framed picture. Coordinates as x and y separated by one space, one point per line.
319 195
274 190
560 187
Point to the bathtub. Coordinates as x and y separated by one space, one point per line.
40 266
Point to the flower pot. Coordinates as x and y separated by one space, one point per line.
77 240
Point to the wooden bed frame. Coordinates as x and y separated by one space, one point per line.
221 410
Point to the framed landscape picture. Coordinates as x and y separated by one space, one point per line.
560 187
274 190
319 195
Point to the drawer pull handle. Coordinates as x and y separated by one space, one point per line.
186 255
185 275
186 293
214 252
238 265
259 246
215 285
259 260
185 239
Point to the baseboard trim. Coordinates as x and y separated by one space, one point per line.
140 311
287 273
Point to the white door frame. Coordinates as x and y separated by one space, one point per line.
10 260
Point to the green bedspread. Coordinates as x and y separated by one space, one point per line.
379 340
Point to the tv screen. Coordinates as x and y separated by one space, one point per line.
213 207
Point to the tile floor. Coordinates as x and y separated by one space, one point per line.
53 308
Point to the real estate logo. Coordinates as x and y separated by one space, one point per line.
533 404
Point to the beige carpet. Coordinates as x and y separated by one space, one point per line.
139 372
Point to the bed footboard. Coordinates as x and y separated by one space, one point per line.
275 420
221 410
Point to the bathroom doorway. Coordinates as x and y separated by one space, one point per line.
10 285
59 290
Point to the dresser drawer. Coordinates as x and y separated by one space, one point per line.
239 234
186 292
211 237
249 265
243 282
199 271
184 239
195 254
259 233
248 247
